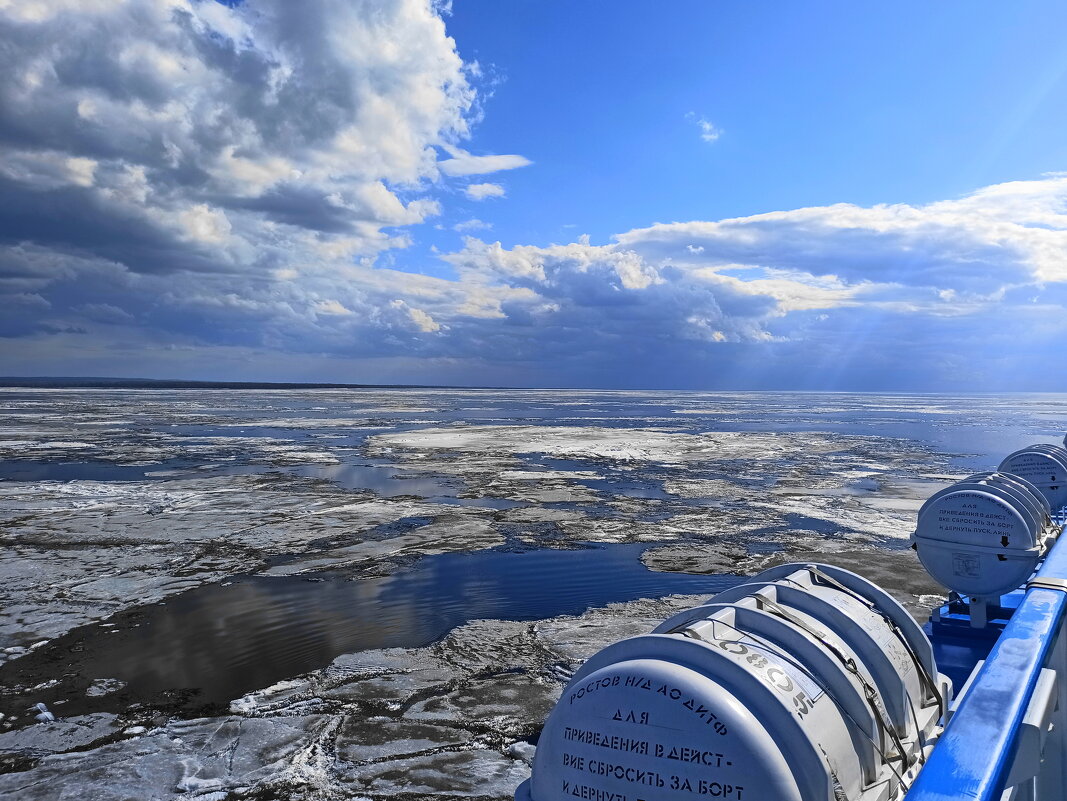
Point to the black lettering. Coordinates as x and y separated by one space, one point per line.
572 761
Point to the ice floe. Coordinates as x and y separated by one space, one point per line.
254 482
448 721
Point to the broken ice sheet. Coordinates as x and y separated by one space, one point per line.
81 551
751 477
448 720
206 646
104 687
439 720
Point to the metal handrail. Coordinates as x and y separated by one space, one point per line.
975 754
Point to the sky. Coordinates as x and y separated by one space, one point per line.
701 194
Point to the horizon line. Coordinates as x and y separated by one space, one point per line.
118 382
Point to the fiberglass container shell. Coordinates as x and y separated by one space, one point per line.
774 689
983 536
1044 466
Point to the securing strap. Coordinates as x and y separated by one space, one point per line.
870 694
887 759
924 675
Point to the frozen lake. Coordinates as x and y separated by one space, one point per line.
170 552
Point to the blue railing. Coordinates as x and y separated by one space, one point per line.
996 742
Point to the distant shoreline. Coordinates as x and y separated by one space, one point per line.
175 383
82 382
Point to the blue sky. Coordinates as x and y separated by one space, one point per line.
720 195
817 103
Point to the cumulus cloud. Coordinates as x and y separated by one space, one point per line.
463 163
176 136
420 319
482 191
978 244
225 173
837 296
221 182
810 297
330 306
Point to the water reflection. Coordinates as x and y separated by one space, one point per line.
33 470
226 640
383 480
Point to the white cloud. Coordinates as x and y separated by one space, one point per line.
422 321
471 225
331 306
425 322
834 290
791 292
216 137
607 268
709 132
895 277
48 169
81 171
994 238
204 224
463 163
44 10
482 191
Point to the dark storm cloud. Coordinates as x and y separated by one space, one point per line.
77 221
185 173
182 138
302 207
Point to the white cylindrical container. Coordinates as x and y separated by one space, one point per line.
1044 466
806 684
985 535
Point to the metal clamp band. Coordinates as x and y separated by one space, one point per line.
1043 583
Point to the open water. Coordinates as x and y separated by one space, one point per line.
218 641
